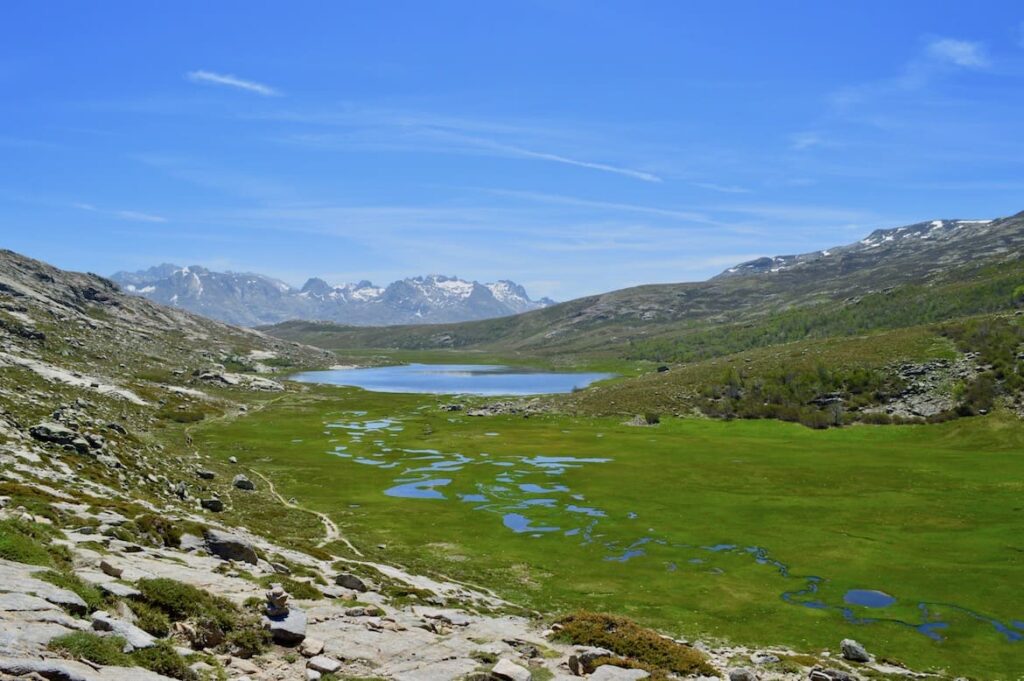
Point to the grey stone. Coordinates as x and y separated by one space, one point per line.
205 474
133 636
230 546
742 674
288 630
854 651
53 432
242 482
350 581
215 505
507 670
323 664
120 590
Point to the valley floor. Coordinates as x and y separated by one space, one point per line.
751 532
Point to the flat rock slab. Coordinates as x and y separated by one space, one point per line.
67 670
135 637
290 629
609 673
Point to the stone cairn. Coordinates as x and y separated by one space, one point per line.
277 602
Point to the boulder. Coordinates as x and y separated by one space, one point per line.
215 505
204 474
742 674
229 546
242 482
287 630
819 674
53 432
350 581
134 637
311 647
854 651
510 671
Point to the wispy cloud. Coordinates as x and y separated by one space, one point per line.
807 140
131 215
721 188
545 156
963 53
231 81
939 56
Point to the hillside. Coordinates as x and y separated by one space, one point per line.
252 299
895 277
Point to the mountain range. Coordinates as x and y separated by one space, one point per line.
250 299
964 264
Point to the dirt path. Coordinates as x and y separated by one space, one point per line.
331 531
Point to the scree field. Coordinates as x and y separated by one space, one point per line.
907 538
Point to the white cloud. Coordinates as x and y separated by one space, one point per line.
132 215
136 216
963 53
807 140
231 81
724 189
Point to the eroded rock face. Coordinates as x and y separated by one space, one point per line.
230 546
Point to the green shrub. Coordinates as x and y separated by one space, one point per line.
92 596
151 619
180 601
248 641
104 650
642 647
163 659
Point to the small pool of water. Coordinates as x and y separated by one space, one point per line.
464 379
868 598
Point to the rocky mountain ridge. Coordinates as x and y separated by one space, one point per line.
251 299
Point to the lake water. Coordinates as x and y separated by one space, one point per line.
465 379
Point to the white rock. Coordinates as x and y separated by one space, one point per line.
510 671
324 664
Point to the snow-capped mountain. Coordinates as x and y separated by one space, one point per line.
941 242
254 299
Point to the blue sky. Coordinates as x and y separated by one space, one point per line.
575 147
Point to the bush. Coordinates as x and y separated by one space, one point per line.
643 647
104 650
150 619
180 601
92 596
163 659
248 641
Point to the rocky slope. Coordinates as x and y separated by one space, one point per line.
254 299
126 554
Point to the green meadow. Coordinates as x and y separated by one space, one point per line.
751 532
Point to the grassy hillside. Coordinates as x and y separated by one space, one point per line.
858 289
